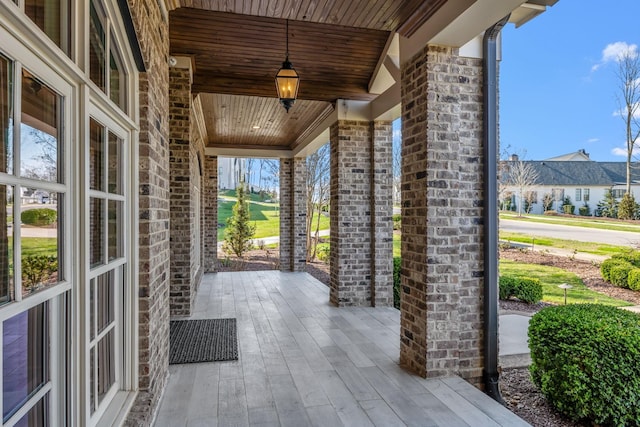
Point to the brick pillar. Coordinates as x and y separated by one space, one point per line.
182 289
442 253
210 213
293 214
360 214
382 213
153 225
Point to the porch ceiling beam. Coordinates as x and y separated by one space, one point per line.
265 87
260 152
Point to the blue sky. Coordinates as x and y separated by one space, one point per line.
557 79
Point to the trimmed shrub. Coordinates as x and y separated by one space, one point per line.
397 266
526 289
323 251
584 210
568 209
633 279
632 257
39 216
619 274
608 264
585 362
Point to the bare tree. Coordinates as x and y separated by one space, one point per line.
318 168
628 74
397 170
522 176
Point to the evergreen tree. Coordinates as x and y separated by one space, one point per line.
608 207
239 231
627 207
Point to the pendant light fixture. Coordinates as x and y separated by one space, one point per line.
287 80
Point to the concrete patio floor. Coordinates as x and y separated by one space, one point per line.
303 362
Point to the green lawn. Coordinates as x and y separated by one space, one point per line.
587 222
266 217
574 245
551 277
40 246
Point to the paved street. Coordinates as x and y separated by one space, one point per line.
612 237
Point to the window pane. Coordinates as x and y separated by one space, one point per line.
92 380
105 303
38 415
6 244
96 155
39 237
116 78
52 17
115 232
92 316
97 45
96 232
40 130
115 164
25 357
6 115
106 364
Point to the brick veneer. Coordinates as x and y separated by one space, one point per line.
182 292
293 214
210 213
442 253
153 280
360 214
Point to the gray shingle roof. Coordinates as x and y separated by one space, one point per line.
588 173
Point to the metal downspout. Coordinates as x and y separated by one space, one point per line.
490 116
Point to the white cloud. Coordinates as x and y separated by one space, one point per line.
614 52
618 50
622 152
623 112
592 140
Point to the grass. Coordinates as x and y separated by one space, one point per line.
39 246
266 217
573 245
551 277
586 222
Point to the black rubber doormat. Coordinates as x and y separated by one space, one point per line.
208 340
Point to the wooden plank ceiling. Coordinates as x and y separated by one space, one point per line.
236 48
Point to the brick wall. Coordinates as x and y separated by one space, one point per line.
153 281
361 270
210 213
181 292
442 259
382 212
293 214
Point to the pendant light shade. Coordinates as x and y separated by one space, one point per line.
287 80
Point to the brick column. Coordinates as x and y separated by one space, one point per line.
182 289
360 214
382 213
442 254
293 214
153 226
210 213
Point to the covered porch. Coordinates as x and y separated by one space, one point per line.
303 361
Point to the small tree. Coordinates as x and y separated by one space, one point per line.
628 74
521 175
607 207
239 231
627 208
547 202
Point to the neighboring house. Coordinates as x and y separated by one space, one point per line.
231 171
572 175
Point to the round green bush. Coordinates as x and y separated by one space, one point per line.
39 217
526 289
633 279
323 252
586 362
619 274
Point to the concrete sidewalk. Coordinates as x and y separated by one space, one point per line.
513 340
